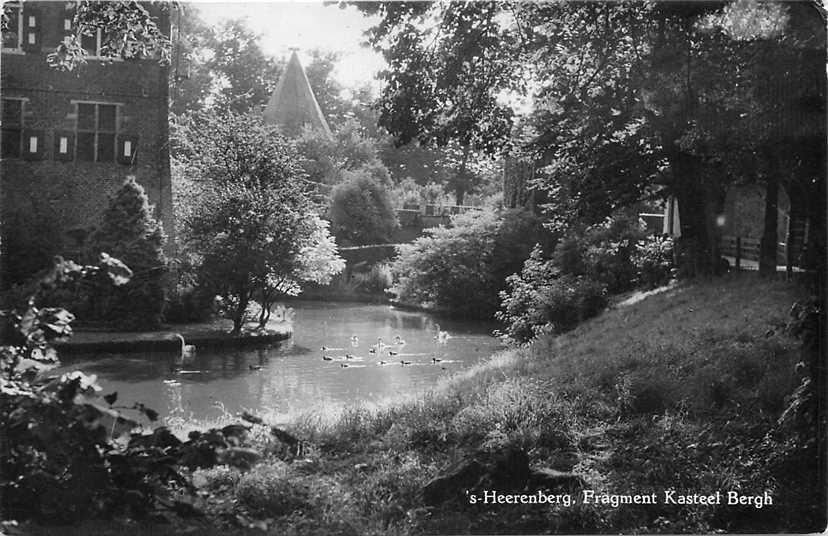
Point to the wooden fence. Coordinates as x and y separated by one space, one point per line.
740 248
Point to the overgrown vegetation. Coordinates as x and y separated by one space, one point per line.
697 398
555 294
462 267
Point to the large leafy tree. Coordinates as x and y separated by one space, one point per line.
447 64
249 226
245 74
630 101
191 81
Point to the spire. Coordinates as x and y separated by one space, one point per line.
293 105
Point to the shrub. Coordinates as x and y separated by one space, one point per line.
543 299
375 280
653 261
129 232
603 252
462 268
361 212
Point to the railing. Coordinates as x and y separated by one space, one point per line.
439 210
740 248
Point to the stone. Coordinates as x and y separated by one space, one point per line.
506 470
553 480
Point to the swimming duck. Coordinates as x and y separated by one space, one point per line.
441 337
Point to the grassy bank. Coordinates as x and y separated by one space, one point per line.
679 391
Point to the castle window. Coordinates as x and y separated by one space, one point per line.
64 145
33 149
13 34
97 126
127 149
12 122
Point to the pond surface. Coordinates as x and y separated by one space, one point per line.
292 377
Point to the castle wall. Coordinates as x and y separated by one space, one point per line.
62 185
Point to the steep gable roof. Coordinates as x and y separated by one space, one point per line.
293 104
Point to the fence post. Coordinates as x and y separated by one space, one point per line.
738 253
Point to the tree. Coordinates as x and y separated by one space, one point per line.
250 224
128 29
631 102
327 159
191 81
130 233
442 84
245 74
361 212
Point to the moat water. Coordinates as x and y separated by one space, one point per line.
291 377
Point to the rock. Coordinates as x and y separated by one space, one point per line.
553 480
464 475
509 469
505 470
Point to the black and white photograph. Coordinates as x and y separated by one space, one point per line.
349 268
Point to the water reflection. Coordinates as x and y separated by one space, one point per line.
292 376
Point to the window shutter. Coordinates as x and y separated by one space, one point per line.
64 145
34 144
31 29
127 149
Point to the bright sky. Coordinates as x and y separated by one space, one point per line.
305 25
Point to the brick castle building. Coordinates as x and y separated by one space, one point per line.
70 139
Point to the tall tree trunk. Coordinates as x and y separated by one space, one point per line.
459 195
460 180
695 247
768 245
241 308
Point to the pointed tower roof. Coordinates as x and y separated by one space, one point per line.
293 104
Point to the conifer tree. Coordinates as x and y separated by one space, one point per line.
129 232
